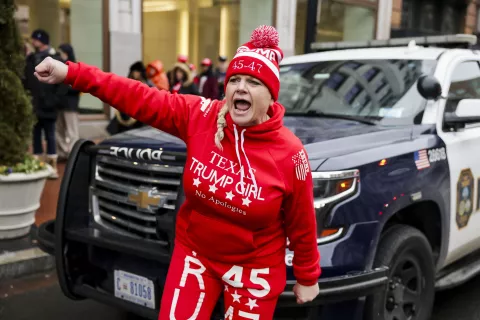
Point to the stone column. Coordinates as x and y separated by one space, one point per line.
125 26
286 17
384 18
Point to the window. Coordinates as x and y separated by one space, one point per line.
341 87
465 84
346 20
198 29
430 17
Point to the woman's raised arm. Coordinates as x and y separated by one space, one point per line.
157 108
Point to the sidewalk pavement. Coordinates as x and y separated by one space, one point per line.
22 256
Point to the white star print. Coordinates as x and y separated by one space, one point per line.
252 303
213 188
196 182
230 195
236 297
246 201
226 288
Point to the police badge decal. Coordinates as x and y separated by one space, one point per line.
465 187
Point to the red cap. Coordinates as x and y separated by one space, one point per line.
206 62
182 58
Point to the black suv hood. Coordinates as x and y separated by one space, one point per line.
323 137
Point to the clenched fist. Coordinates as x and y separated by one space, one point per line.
305 293
51 71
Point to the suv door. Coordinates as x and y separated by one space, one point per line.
463 154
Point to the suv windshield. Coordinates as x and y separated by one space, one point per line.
381 91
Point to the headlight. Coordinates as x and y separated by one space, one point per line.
329 188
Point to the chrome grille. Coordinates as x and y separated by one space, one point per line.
116 180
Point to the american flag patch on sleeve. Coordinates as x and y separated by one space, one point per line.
421 159
301 165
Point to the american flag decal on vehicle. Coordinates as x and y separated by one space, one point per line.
301 165
421 159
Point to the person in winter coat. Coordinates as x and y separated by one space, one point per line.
181 58
156 74
247 182
182 80
67 132
46 99
207 85
220 73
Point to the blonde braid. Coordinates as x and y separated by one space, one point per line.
221 123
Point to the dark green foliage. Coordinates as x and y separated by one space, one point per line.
16 114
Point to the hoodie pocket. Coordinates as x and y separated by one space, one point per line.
223 237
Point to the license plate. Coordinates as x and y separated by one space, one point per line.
134 288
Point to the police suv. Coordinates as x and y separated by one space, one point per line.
392 132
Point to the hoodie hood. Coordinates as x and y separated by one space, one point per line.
155 67
185 69
157 75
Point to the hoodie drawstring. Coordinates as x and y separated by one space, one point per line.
248 162
242 140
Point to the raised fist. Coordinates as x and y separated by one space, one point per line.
51 71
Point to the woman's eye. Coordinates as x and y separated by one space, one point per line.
233 80
254 82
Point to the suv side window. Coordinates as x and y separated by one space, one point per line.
465 84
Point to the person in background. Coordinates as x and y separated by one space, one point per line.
121 122
220 74
156 74
46 99
181 58
182 80
207 86
67 132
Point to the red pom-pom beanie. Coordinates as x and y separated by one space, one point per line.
259 58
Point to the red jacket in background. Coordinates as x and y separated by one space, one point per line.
156 74
241 202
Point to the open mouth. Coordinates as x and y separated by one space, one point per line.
241 105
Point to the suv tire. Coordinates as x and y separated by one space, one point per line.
410 291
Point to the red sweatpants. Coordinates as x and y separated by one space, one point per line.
195 283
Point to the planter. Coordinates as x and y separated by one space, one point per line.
19 200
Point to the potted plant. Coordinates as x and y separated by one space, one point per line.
22 177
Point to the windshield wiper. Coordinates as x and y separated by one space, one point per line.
370 120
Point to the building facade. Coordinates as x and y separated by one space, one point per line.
113 34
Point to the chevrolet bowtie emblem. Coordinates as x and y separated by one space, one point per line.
144 199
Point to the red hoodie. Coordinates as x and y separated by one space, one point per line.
229 215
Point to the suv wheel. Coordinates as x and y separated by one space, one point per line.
410 292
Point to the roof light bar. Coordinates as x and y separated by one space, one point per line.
464 40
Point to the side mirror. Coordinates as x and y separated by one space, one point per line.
429 87
467 111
